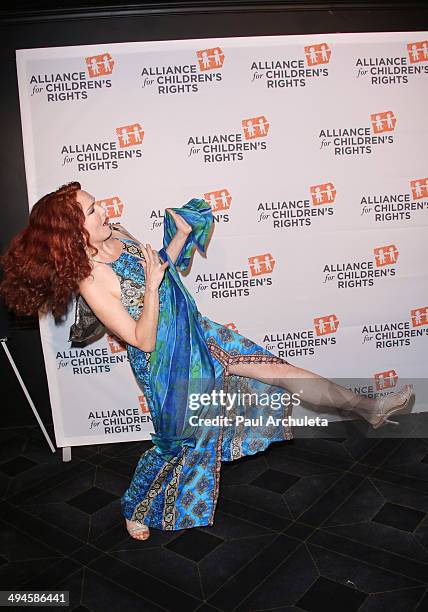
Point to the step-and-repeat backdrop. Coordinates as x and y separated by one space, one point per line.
311 151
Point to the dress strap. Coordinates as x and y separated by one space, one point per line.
128 246
132 247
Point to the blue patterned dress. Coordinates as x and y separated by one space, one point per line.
176 482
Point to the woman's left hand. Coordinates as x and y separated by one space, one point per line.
182 226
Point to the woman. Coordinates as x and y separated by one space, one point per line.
69 249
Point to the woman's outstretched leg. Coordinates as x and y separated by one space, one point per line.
321 391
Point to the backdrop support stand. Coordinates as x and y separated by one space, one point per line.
66 453
27 395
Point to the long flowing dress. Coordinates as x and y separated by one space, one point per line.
176 482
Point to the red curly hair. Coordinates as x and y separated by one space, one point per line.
45 262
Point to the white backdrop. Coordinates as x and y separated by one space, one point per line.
312 152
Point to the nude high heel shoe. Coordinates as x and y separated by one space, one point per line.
403 398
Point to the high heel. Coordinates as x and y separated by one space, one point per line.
405 394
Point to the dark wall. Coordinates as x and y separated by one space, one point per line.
37 24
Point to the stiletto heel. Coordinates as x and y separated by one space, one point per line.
405 394
389 421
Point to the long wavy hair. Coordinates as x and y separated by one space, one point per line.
45 262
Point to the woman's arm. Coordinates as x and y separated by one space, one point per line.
177 243
114 316
147 325
110 311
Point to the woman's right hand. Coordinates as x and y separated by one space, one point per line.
154 269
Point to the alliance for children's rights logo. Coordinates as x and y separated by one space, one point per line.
238 283
105 155
292 72
351 274
74 85
220 202
399 206
299 212
383 70
120 420
304 342
98 360
383 381
232 146
397 333
360 140
113 207
185 78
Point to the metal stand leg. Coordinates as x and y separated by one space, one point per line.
66 453
27 395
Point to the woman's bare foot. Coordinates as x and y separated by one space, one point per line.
387 405
137 530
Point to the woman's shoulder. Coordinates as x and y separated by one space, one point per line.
101 275
101 278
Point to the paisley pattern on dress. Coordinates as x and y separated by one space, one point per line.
132 293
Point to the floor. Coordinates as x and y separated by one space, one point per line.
311 524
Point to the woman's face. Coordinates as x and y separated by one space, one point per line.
96 221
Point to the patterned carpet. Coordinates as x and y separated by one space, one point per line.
312 524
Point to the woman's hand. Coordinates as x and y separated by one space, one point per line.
182 226
154 269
